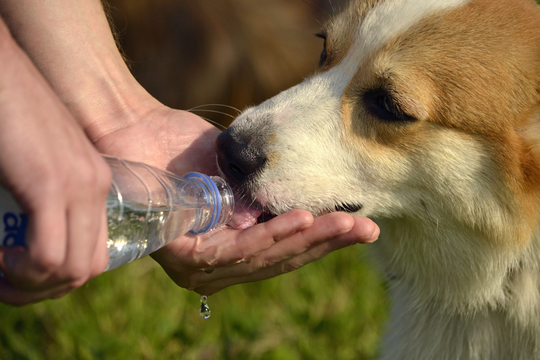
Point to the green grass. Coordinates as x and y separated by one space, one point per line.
331 309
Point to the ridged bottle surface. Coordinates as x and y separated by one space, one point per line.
147 208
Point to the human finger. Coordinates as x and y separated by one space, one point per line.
66 224
85 224
274 263
324 228
13 296
226 246
31 267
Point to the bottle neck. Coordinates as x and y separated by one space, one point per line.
219 206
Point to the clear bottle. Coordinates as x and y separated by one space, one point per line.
147 208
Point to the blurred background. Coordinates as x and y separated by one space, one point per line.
232 52
191 54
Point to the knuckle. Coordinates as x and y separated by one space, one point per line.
244 255
72 282
48 262
289 266
93 175
87 175
205 256
76 283
52 184
104 174
63 292
187 280
75 276
100 265
266 263
190 283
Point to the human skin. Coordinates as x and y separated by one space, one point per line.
45 159
72 46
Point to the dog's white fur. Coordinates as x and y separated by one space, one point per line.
454 187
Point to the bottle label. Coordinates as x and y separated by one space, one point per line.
13 222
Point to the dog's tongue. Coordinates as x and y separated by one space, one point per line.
244 216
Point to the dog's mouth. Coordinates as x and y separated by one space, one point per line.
248 214
245 215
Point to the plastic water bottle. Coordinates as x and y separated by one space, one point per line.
147 208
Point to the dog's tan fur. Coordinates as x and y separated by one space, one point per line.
455 187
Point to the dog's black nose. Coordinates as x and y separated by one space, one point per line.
238 157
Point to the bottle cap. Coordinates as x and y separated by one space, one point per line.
214 200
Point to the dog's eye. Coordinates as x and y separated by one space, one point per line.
348 208
324 55
322 60
381 104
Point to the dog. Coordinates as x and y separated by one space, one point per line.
423 115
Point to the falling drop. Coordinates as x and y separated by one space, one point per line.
205 310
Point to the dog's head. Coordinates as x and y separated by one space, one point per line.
421 109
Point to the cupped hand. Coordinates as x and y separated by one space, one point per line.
226 257
183 142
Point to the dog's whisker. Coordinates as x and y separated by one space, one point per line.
213 111
217 105
332 6
253 200
315 5
221 126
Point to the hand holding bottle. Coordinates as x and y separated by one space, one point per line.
45 159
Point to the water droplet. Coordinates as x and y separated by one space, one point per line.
205 310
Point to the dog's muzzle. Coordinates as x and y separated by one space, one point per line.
240 158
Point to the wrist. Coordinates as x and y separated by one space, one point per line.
79 58
108 98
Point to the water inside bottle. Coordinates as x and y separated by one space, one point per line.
140 230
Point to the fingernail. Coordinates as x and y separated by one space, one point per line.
371 238
375 235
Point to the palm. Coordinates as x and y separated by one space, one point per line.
172 139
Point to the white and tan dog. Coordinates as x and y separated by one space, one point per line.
425 116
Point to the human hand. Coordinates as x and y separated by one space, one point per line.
225 257
58 178
183 142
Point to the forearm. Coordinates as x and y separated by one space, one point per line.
72 45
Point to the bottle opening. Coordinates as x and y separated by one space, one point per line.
220 202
